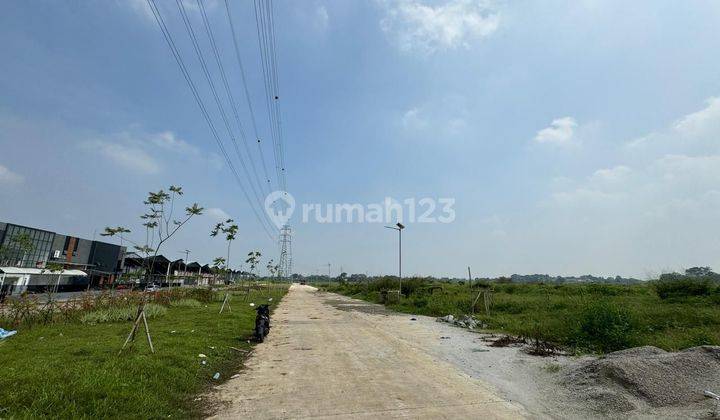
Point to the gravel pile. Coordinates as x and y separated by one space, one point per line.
646 377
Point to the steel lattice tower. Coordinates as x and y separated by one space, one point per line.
285 242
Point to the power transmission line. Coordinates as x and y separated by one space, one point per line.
231 99
193 89
221 109
247 94
268 57
262 45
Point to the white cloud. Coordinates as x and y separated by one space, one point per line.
702 122
444 119
168 140
217 214
611 175
696 134
141 151
321 18
412 120
427 29
9 177
139 7
143 10
584 196
560 131
129 157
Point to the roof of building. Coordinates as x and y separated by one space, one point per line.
36 271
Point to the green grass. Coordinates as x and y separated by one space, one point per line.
580 317
72 370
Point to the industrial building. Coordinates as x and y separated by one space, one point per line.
27 255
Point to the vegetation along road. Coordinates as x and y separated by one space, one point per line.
323 360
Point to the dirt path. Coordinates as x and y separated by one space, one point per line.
321 361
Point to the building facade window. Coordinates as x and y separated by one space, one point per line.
33 254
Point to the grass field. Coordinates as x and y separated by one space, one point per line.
72 369
579 317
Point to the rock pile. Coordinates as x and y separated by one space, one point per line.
465 322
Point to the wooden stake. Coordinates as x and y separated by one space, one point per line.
147 331
131 336
136 325
226 302
475 301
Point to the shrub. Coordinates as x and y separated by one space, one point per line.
121 314
509 307
677 286
604 289
202 294
186 303
413 285
605 327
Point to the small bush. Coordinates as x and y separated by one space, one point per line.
121 314
605 327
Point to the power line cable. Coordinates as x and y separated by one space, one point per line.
216 97
228 91
247 94
275 72
198 100
262 21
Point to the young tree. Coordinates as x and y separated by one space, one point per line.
55 268
271 268
219 265
274 270
159 225
230 230
253 259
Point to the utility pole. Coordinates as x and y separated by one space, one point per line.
469 277
328 271
399 227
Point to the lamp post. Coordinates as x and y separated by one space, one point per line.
185 262
399 227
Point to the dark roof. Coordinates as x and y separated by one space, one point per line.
159 259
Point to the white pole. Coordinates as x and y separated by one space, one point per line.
167 275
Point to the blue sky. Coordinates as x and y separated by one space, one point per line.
576 137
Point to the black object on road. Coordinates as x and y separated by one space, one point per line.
262 322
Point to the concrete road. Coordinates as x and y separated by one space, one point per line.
322 360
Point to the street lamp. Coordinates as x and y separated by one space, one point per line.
185 262
399 227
